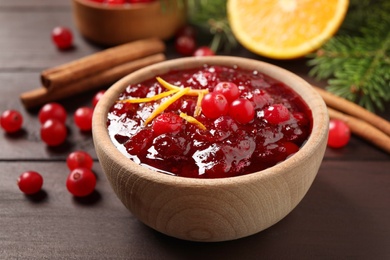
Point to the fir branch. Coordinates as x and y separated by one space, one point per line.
357 64
211 15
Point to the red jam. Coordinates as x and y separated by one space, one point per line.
252 122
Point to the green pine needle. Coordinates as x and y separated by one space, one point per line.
357 60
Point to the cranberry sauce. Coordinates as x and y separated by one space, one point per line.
252 122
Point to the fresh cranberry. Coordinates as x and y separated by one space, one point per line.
79 159
214 105
242 110
187 30
97 97
228 89
11 121
52 111
53 132
185 45
62 37
30 182
81 182
203 51
339 133
167 123
276 114
83 118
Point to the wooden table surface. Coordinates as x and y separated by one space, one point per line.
345 214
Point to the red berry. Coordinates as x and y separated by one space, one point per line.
62 37
52 111
186 31
30 182
97 97
339 133
228 89
185 45
83 118
167 123
242 110
79 159
11 121
81 182
203 51
53 132
276 114
214 105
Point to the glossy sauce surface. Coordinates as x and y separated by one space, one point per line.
226 148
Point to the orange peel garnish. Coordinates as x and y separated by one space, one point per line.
166 104
192 120
149 99
176 92
192 92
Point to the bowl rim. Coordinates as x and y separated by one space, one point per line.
316 104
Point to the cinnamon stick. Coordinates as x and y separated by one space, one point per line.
43 95
363 129
79 69
355 110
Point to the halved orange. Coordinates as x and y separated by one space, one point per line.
285 29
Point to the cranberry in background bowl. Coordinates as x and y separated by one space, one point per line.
118 22
214 209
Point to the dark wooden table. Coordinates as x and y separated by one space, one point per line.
345 214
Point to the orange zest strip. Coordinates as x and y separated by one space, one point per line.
198 109
164 105
192 120
148 99
192 92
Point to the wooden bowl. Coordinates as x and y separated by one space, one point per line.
212 209
112 25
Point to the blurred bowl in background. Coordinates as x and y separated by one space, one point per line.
111 25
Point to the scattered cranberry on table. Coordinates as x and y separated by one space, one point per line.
11 121
81 182
185 45
339 133
62 37
52 110
30 182
203 51
97 97
78 159
83 118
53 132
